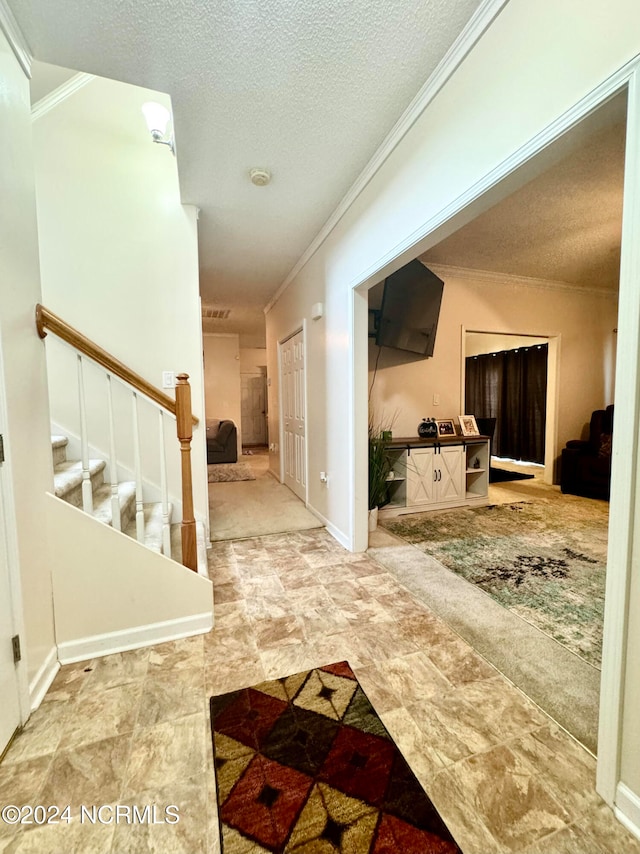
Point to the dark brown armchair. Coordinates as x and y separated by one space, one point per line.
586 465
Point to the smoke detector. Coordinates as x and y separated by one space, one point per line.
260 177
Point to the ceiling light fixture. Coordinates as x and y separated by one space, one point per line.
260 177
157 118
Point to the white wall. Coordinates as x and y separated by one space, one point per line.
585 322
119 262
222 388
113 593
252 359
27 473
477 343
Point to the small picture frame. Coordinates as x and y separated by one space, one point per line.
468 425
446 427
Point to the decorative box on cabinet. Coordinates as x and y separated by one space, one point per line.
434 474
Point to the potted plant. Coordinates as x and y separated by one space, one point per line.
380 467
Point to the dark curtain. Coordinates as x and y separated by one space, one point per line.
511 386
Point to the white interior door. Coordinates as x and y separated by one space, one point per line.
292 383
9 689
254 422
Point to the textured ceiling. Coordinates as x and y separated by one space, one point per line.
307 90
563 225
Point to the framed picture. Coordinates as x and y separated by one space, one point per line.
446 428
468 425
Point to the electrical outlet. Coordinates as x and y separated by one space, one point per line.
168 379
436 400
323 477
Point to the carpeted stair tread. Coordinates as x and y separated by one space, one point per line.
67 475
102 502
152 525
59 449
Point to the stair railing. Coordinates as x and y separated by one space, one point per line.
180 409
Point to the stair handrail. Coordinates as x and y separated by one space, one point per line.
180 408
47 320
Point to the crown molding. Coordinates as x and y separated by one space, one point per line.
68 88
480 21
506 279
15 37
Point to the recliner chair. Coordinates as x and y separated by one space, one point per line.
586 465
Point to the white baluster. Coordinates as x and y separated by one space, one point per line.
138 468
113 466
87 489
166 522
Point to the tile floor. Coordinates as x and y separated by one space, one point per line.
133 728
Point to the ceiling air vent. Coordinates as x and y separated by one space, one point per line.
215 313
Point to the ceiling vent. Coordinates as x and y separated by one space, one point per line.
215 313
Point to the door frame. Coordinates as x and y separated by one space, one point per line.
281 342
16 604
626 448
553 375
264 379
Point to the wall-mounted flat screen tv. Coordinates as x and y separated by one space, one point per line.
410 309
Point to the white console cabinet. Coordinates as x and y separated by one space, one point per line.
433 474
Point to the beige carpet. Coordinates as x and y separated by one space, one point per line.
256 507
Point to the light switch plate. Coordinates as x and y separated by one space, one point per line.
168 379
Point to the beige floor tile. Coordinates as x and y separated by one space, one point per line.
378 689
279 632
121 668
343 646
414 745
413 677
41 734
510 798
508 713
458 662
224 676
177 655
92 774
601 825
69 681
22 784
285 660
229 592
76 836
457 810
187 800
169 695
570 840
226 644
456 729
569 771
172 750
230 615
94 716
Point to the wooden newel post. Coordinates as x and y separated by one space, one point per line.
184 423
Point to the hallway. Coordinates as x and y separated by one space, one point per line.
254 508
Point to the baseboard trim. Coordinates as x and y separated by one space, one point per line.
96 646
627 809
336 533
41 682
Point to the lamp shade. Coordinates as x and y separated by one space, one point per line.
156 116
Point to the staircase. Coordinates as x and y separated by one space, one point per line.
68 487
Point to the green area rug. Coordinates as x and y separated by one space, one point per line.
544 560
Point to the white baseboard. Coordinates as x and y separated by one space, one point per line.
41 682
336 533
140 636
627 809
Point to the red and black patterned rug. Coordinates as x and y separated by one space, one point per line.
304 764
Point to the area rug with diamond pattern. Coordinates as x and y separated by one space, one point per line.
304 764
